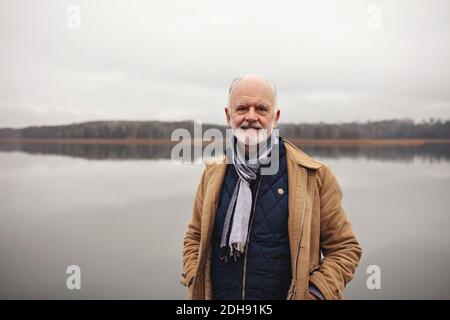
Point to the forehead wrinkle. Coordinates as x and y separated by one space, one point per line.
249 101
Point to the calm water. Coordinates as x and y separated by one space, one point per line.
120 213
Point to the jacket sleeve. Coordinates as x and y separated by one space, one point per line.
191 242
341 250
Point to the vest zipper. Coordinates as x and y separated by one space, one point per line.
244 277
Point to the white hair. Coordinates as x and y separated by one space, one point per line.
235 82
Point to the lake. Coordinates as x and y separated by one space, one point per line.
120 213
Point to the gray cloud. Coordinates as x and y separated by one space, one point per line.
174 60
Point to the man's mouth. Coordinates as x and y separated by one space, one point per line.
246 128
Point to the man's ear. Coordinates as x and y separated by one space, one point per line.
276 118
227 113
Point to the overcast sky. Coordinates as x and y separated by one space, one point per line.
332 61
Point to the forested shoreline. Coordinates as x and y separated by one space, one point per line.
386 129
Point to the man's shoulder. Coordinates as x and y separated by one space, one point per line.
215 165
298 156
324 173
219 160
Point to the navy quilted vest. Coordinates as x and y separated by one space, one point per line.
268 263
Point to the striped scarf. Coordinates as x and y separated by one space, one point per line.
235 229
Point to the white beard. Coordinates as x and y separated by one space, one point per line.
252 137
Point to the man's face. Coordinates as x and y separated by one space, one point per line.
252 108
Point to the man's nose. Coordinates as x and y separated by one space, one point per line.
251 115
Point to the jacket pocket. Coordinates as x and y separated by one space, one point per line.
186 281
314 268
291 291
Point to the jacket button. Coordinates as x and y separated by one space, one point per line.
280 190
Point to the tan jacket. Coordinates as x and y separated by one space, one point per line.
316 222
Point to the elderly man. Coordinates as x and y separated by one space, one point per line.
260 236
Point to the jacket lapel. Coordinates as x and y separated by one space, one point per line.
297 184
214 177
211 200
301 184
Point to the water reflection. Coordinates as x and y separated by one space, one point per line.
403 153
123 222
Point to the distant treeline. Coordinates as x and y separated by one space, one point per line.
387 129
